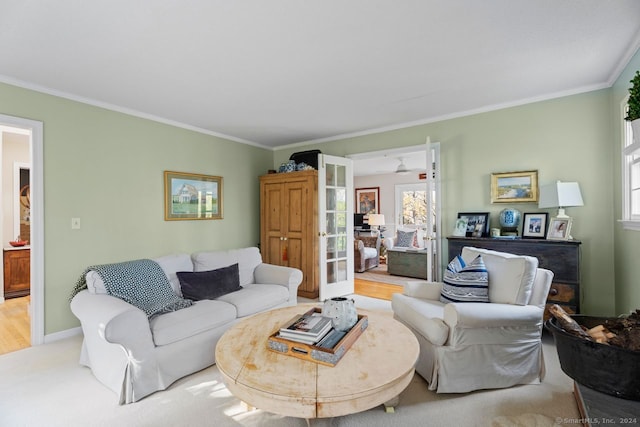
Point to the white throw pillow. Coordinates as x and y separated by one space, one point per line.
510 276
246 258
171 264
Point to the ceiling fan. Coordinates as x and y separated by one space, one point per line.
402 168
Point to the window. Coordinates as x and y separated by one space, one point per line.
630 176
412 205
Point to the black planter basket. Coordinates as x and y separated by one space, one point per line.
605 368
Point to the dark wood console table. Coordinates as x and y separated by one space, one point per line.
561 257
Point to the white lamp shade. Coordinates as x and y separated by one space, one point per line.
376 219
560 195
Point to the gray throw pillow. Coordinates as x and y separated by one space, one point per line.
209 284
405 238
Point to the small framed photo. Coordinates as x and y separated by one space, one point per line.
477 223
192 196
559 229
368 200
460 230
514 187
534 225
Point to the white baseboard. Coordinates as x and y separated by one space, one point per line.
62 335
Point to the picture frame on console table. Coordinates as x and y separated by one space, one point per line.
559 229
514 187
190 196
534 225
477 223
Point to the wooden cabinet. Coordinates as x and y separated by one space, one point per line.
17 272
289 224
561 257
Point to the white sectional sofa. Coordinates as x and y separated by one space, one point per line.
135 356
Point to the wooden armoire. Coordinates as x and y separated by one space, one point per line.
289 224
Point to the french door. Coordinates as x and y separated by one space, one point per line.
335 223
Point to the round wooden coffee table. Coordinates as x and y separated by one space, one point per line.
378 366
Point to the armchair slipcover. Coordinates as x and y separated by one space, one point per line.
470 346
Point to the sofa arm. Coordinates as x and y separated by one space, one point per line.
491 315
389 242
279 275
113 320
423 289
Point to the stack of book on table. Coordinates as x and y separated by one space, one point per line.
311 328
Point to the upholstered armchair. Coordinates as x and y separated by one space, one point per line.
367 252
467 346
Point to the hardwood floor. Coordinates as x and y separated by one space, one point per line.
376 289
15 330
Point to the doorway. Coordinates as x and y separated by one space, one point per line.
397 175
29 212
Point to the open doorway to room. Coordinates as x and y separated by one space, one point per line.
405 199
21 293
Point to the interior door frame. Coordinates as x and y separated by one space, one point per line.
36 179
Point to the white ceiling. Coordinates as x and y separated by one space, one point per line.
278 72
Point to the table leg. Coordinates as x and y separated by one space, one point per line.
390 405
247 407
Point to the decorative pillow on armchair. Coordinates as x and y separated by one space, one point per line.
465 283
209 284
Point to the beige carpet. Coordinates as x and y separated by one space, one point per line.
45 386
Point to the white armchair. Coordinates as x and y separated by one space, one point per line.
472 345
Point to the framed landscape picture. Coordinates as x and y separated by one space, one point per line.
514 187
192 196
534 225
368 200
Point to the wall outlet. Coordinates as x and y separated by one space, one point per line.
75 223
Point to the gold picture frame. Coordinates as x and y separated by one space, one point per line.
190 196
514 187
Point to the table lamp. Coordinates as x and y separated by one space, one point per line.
377 220
560 195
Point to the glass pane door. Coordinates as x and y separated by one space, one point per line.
335 215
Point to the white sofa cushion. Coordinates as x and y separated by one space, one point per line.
425 316
171 264
255 298
370 253
247 258
201 316
510 276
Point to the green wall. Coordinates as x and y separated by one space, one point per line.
627 242
566 139
106 168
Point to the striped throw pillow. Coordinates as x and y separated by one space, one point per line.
468 283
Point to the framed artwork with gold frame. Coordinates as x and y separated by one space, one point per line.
190 196
514 187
